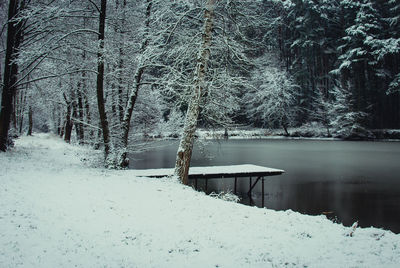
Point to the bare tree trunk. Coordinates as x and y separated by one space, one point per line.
85 110
185 149
88 116
14 112
68 121
14 38
79 125
21 111
121 97
100 80
57 121
123 161
30 117
75 116
60 125
284 126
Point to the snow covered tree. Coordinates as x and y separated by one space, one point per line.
321 109
272 99
185 149
387 48
123 161
346 121
202 63
10 78
364 61
64 59
176 37
3 37
305 33
46 47
100 79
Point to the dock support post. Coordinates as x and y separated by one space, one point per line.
262 191
235 188
253 185
206 184
195 183
249 192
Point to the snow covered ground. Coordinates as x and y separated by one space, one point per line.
58 211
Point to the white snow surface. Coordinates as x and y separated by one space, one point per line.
56 211
230 169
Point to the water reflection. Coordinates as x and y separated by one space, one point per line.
345 180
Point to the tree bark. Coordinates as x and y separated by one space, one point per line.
121 97
185 149
30 117
88 117
14 112
21 111
100 80
68 121
61 126
14 38
79 125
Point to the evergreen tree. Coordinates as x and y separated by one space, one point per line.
346 121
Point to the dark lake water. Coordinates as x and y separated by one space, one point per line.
347 181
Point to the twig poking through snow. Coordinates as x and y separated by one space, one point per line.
353 228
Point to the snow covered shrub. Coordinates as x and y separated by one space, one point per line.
10 142
312 129
226 196
90 157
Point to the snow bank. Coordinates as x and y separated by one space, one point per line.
55 211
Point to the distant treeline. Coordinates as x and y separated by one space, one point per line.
350 47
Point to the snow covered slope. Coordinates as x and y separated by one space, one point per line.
56 211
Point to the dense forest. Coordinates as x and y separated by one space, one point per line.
109 72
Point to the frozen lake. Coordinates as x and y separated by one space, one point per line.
347 181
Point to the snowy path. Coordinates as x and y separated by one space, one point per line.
57 212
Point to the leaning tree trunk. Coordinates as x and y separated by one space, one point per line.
126 121
14 38
100 80
185 149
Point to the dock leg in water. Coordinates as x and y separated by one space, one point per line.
249 192
235 189
252 186
262 191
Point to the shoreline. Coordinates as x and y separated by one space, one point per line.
264 134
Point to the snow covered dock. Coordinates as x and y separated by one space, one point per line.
213 172
216 172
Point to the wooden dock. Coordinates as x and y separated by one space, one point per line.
218 172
